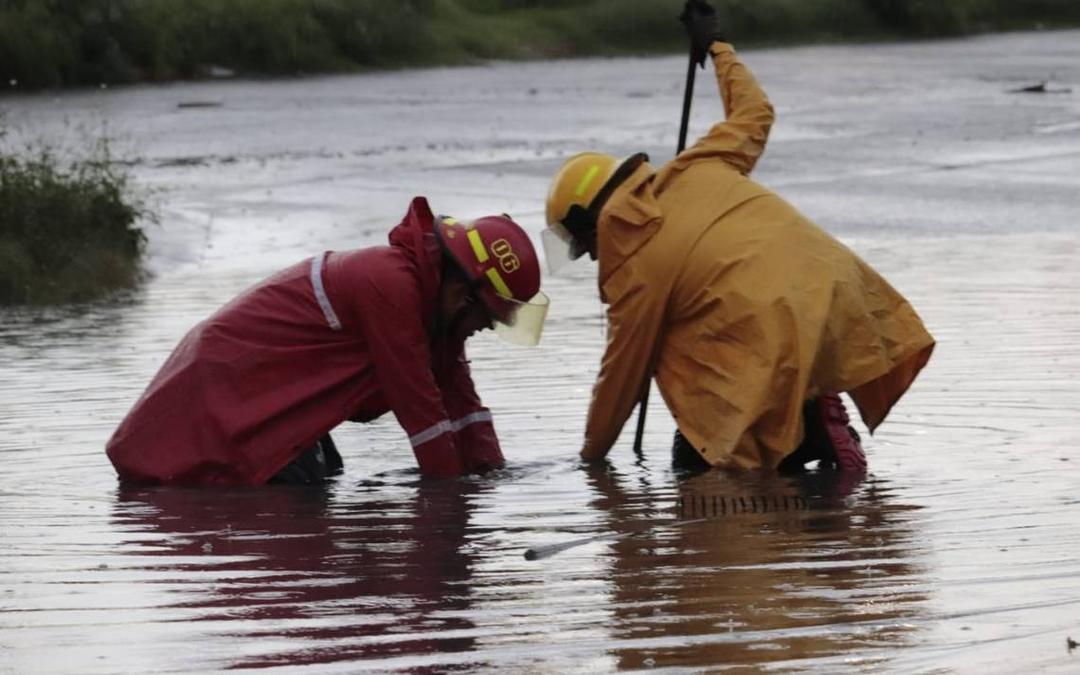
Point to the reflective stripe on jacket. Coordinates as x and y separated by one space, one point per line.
742 307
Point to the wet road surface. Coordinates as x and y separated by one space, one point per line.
958 553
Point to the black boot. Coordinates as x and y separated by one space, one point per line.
685 456
314 465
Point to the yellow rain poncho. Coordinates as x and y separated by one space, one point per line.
741 307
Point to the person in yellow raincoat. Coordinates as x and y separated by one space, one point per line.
752 318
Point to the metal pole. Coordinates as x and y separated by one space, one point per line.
688 95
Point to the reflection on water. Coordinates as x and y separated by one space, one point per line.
32 326
764 585
401 574
319 581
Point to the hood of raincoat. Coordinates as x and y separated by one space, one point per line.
415 234
631 217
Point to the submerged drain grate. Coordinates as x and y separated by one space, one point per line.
711 506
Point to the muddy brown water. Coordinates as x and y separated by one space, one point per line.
957 553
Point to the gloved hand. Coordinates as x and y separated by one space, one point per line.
699 19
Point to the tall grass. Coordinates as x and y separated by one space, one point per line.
64 42
58 42
69 228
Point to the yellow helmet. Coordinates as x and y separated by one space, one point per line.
575 199
577 183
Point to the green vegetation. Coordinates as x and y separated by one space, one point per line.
69 230
47 43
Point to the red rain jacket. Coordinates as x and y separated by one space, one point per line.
344 335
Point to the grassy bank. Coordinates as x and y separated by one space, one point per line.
46 43
69 229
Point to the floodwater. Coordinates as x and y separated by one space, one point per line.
957 553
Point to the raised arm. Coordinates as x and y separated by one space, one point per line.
740 139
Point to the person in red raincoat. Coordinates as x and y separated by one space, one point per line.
250 395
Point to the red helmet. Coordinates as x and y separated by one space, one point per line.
497 257
497 253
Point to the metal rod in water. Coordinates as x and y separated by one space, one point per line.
541 552
705 507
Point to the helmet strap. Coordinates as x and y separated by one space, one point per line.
581 222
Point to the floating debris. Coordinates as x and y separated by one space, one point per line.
1040 88
183 161
199 104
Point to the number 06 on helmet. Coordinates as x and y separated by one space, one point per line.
500 262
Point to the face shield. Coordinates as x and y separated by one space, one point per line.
575 232
524 321
560 248
560 245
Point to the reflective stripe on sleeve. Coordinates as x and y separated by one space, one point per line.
447 426
471 418
320 292
434 431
